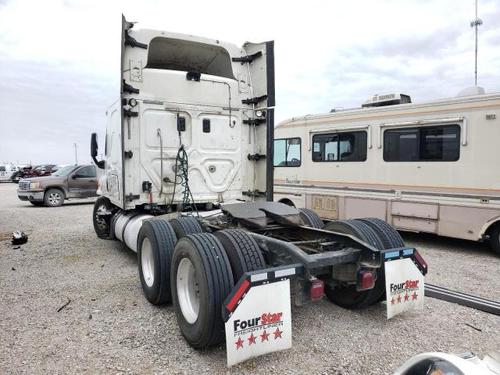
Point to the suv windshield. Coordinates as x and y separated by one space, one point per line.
64 171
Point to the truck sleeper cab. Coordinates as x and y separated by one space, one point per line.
188 186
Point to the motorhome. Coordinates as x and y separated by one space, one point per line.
428 167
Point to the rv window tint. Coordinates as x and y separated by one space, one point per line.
287 152
349 146
436 143
2 168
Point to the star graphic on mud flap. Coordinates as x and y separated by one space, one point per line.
251 339
264 336
239 343
407 297
277 333
414 296
399 298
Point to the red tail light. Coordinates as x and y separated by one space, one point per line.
421 262
317 290
366 280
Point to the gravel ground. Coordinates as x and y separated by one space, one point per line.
109 327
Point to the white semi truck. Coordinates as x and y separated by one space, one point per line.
188 185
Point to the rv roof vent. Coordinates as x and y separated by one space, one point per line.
388 99
471 91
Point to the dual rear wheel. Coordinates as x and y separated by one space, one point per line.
379 235
195 271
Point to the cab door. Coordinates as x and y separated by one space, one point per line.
83 182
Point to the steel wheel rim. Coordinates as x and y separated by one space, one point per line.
99 219
54 198
147 262
188 291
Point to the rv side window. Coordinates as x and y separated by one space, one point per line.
287 152
349 146
433 143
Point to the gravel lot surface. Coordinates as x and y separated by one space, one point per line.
109 327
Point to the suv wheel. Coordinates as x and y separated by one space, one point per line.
54 198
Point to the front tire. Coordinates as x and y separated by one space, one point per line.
155 245
201 278
54 198
101 221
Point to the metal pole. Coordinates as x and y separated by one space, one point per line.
475 55
76 154
475 24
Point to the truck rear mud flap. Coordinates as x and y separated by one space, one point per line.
404 280
257 313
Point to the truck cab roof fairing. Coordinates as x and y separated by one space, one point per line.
189 56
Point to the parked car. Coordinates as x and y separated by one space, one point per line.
73 181
21 172
40 170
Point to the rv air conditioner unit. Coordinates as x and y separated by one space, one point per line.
388 99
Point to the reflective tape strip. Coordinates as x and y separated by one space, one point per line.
392 254
282 273
407 252
239 293
258 277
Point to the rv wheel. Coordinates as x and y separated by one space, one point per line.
495 238
243 252
201 279
155 245
186 225
311 218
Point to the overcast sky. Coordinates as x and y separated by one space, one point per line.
59 59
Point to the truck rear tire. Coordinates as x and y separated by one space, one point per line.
358 229
201 278
243 252
346 295
102 223
155 245
53 198
389 236
311 218
186 225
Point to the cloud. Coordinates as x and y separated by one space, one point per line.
60 58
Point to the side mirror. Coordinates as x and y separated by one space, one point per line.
74 176
93 151
93 145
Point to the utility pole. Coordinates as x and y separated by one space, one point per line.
475 24
76 154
